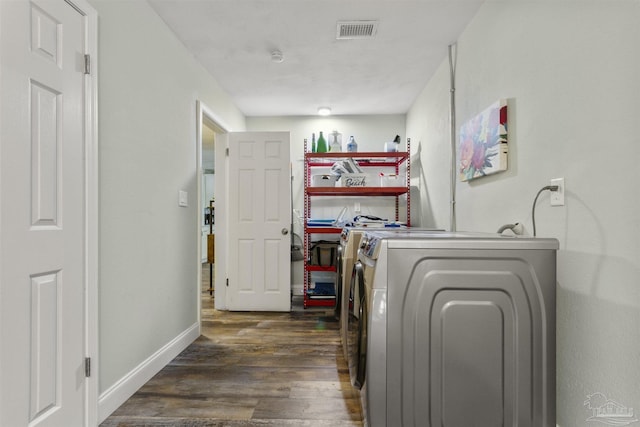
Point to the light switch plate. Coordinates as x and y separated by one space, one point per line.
183 199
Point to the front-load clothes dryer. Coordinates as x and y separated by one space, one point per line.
358 306
338 278
458 330
347 253
348 256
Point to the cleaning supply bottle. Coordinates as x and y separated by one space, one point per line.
313 142
321 145
336 142
352 146
392 146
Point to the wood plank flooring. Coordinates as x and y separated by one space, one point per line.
251 369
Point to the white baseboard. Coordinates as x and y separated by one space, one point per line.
117 394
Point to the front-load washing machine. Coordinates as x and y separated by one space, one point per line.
454 329
354 287
357 307
347 257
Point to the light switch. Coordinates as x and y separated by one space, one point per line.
183 199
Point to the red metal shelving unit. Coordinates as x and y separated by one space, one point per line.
364 159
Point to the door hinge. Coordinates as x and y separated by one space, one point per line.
87 367
227 283
226 152
87 64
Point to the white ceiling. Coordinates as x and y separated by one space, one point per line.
233 39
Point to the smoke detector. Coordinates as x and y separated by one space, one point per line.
277 56
350 30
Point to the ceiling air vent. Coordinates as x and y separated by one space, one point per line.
349 30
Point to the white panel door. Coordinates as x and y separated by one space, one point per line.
259 220
42 178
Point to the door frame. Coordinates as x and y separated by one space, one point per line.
91 208
205 114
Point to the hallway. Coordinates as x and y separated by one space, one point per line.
251 369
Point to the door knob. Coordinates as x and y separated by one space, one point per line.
285 231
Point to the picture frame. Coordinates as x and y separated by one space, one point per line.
483 143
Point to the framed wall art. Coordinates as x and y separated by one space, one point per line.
483 145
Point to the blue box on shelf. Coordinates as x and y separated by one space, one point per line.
321 289
320 222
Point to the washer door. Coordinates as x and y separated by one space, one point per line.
357 327
338 284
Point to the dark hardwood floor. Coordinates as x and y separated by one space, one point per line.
251 369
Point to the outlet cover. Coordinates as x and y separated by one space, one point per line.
557 197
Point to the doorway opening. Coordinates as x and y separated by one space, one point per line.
208 128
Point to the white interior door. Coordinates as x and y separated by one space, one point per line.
43 221
259 220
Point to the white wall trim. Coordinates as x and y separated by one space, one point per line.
203 112
92 212
123 389
222 247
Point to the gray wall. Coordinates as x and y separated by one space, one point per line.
148 87
570 72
